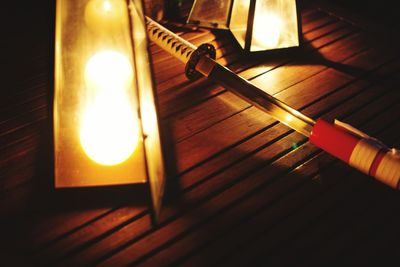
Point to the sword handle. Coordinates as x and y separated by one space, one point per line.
359 150
178 47
169 41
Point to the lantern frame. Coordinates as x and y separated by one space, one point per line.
95 67
226 24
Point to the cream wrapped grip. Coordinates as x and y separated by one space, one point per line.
388 170
179 47
170 42
359 150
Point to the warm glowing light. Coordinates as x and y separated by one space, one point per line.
289 118
149 119
108 69
107 5
103 16
267 30
109 133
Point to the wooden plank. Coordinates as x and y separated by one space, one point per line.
186 223
326 237
244 187
212 255
212 115
137 245
176 251
319 233
254 250
251 145
85 235
222 133
200 95
130 228
319 18
95 235
108 242
179 99
23 100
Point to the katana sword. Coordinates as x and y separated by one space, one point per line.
339 139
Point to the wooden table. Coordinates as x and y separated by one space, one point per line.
242 188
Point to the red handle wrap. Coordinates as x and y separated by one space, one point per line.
361 152
334 140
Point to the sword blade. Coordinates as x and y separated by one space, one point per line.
182 50
254 95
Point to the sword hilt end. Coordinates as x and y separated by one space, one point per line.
359 150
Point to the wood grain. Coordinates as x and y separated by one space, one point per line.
243 189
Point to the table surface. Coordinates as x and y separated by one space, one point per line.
242 188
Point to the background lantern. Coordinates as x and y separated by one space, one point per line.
105 118
257 25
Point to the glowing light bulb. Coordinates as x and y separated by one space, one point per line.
107 6
105 16
267 30
108 70
108 130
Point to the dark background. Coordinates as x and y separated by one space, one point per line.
382 12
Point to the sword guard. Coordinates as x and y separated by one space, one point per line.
202 50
